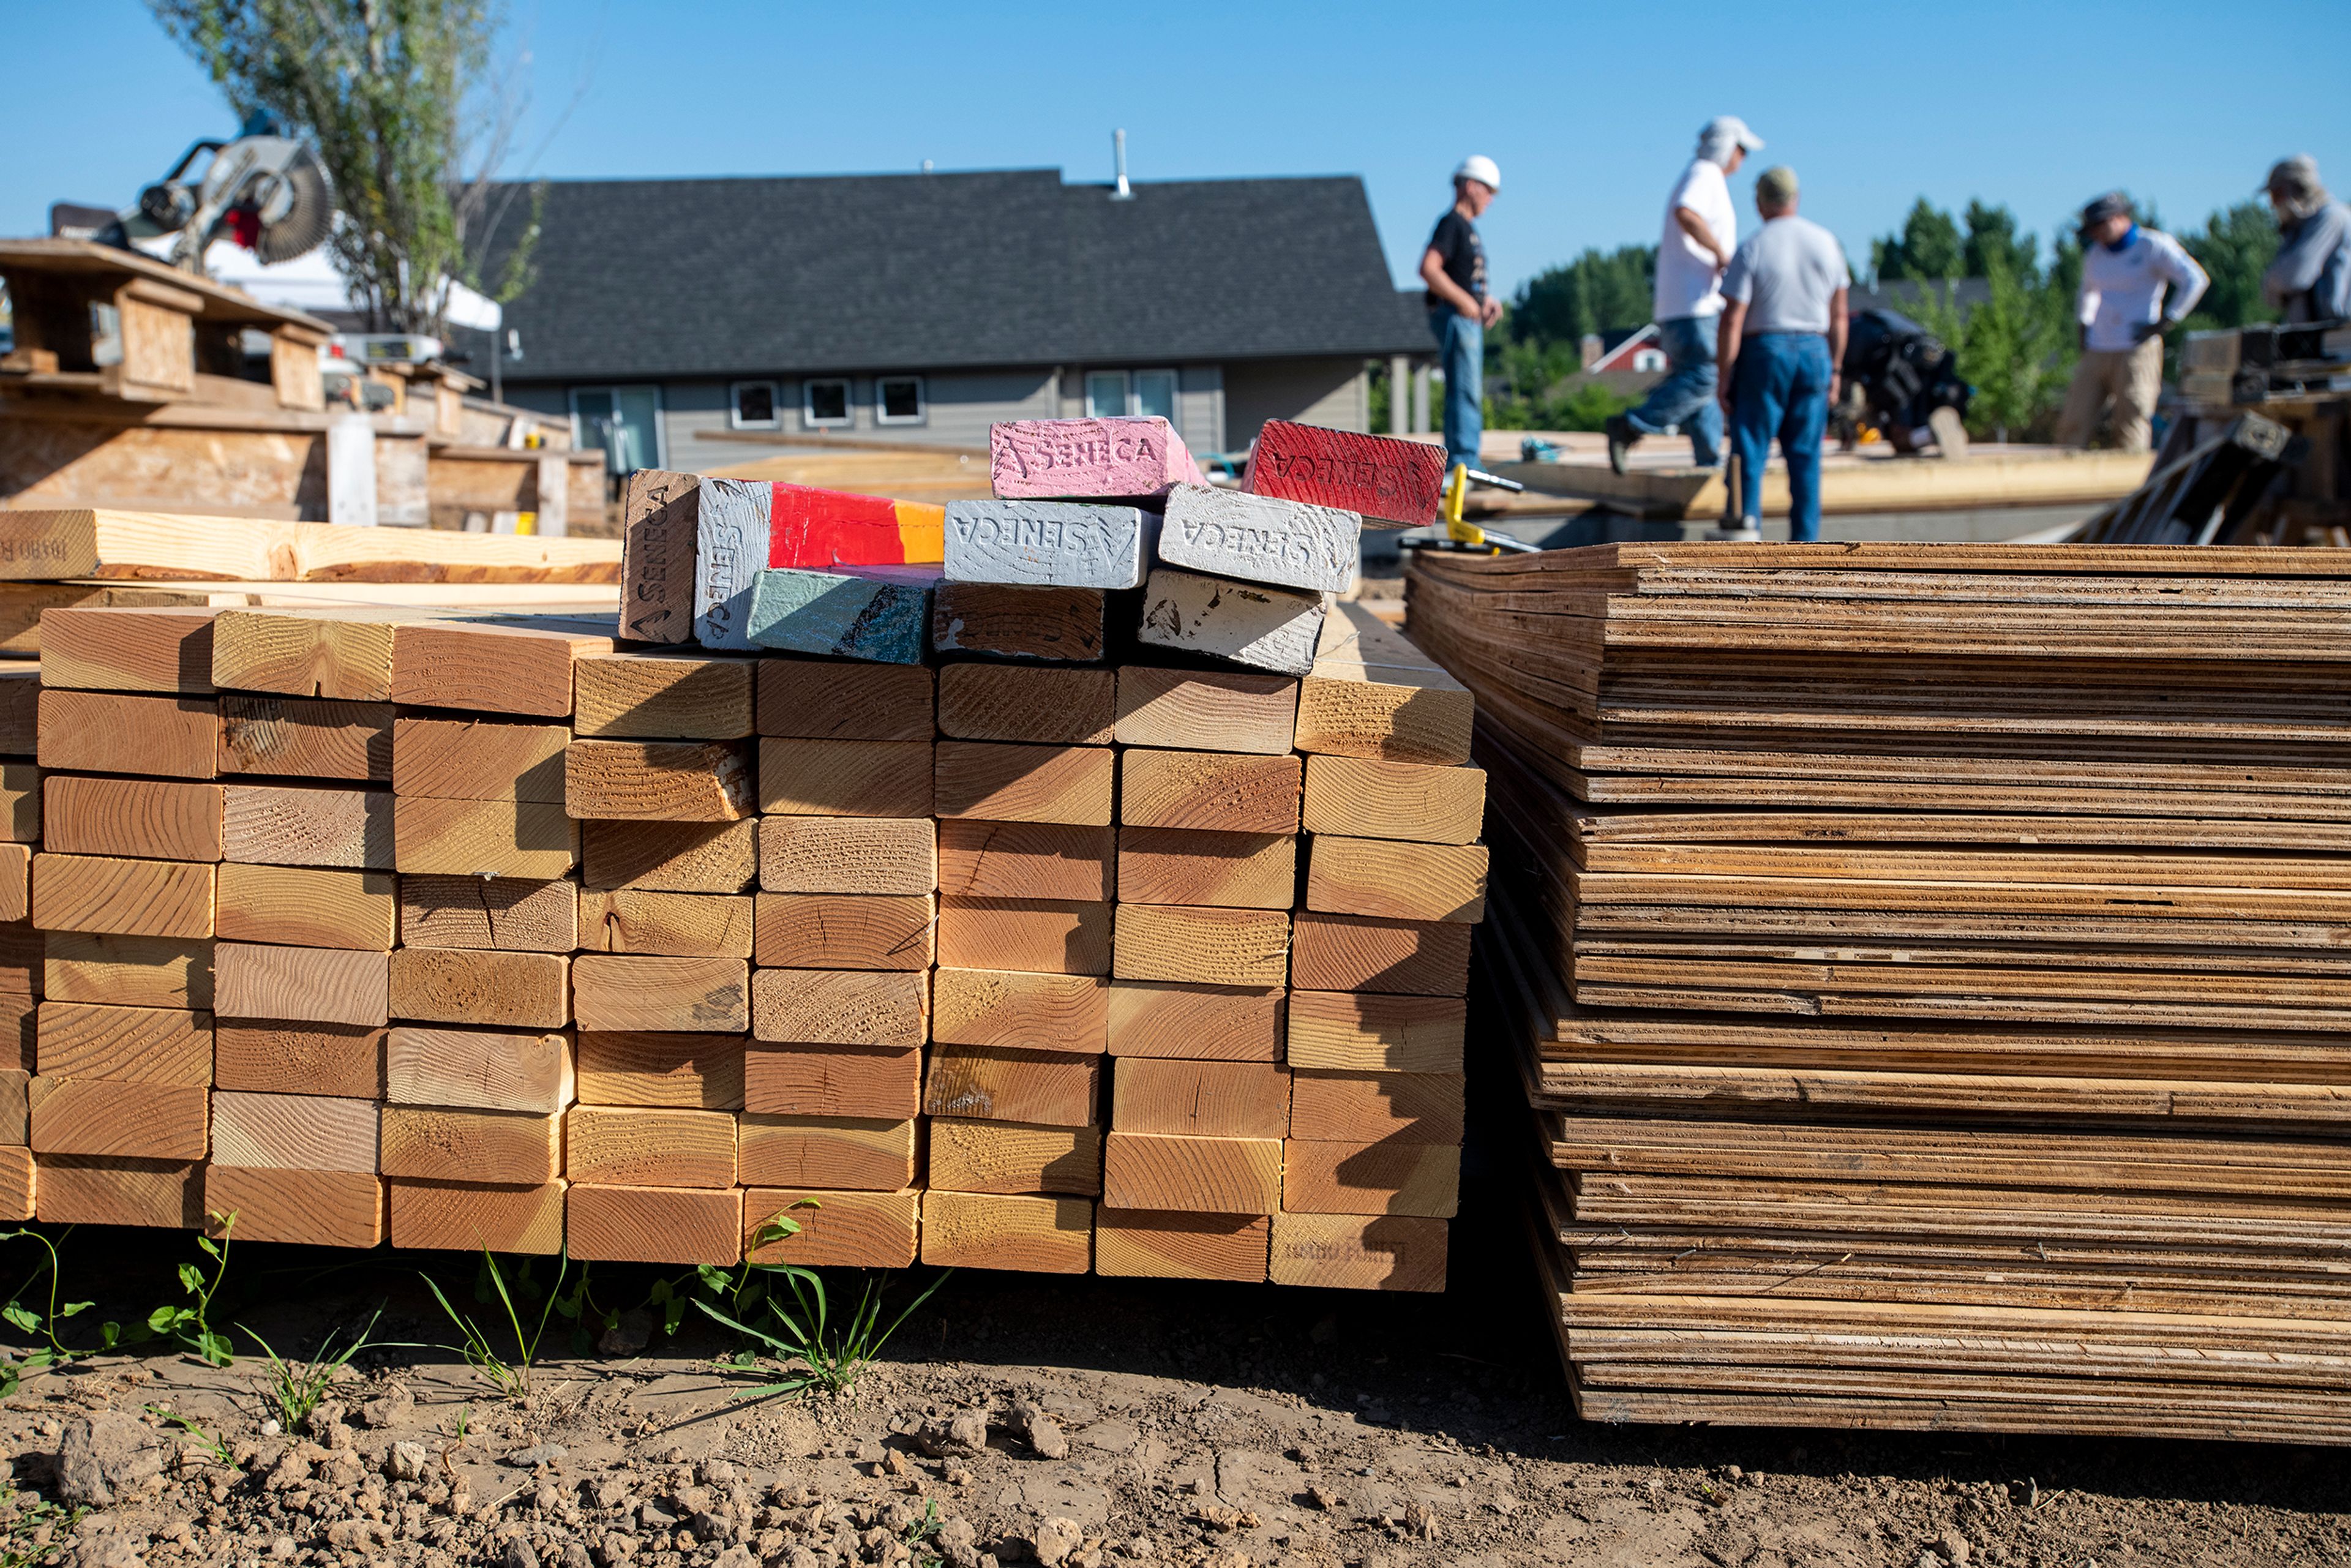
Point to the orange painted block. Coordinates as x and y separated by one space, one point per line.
811 528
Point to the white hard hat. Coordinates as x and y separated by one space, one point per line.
1480 168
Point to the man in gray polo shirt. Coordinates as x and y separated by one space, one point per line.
1781 339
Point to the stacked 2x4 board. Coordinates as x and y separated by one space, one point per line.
1921 962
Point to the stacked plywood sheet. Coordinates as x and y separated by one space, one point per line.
1920 960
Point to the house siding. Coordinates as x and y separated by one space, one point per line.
1335 392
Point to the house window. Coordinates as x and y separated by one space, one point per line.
1105 394
754 406
1649 359
824 406
624 421
898 400
1154 393
1113 395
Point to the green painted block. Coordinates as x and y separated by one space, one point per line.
876 613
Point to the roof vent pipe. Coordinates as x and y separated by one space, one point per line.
1125 192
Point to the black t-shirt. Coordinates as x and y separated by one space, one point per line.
1456 244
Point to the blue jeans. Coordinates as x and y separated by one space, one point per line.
1461 355
1780 386
1686 397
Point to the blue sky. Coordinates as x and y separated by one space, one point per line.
1589 110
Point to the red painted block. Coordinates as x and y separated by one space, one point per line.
809 527
1087 459
1400 482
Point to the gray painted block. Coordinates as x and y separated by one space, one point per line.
730 551
1260 538
877 614
1246 622
1048 544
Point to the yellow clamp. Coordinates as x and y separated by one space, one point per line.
1456 528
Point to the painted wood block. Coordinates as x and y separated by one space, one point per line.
824 699
856 1082
345 1061
836 1152
124 1044
1361 797
678 1226
521 664
1257 538
489 1069
992 1231
1028 859
69 1189
658 781
1353 953
101 732
529 840
1008 1008
303 907
666 924
17 1182
122 1120
1180 866
845 777
297 738
659 513
879 614
478 759
1044 1088
294 1131
848 854
670 857
1200 1099
1041 706
505 1148
685 1070
631 1145
307 825
1013 1156
1042 936
840 1006
1371 1179
1358 1252
123 897
1401 482
837 1229
731 539
471 1216
1206 710
343 653
1006 623
1215 1023
1190 1174
661 697
1396 881
1138 1243
466 985
302 1208
1376 1107
1226 792
1112 457
814 528
1201 947
141 648
301 985
1250 623
1048 544
509 914
1358 1031
135 971
624 993
1071 784
843 930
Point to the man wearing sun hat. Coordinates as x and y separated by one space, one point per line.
1459 307
2136 282
2311 278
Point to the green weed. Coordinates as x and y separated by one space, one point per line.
33 1528
211 1447
817 1355
921 1532
43 1325
510 1378
190 1325
293 1388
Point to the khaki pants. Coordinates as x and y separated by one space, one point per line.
2132 378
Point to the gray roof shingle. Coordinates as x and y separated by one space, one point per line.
654 278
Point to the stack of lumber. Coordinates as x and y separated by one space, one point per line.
1919 963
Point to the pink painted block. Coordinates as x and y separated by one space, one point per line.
1087 459
1377 476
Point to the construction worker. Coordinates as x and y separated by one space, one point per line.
1779 343
1459 309
1700 234
2311 278
2136 282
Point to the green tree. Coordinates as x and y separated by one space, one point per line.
1928 247
2016 347
1599 291
2235 247
398 97
1992 241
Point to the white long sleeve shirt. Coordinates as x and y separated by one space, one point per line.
2151 278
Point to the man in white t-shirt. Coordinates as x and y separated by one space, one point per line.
1702 232
2136 283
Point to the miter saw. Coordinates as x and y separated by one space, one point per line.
262 188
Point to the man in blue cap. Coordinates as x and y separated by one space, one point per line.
2136 283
